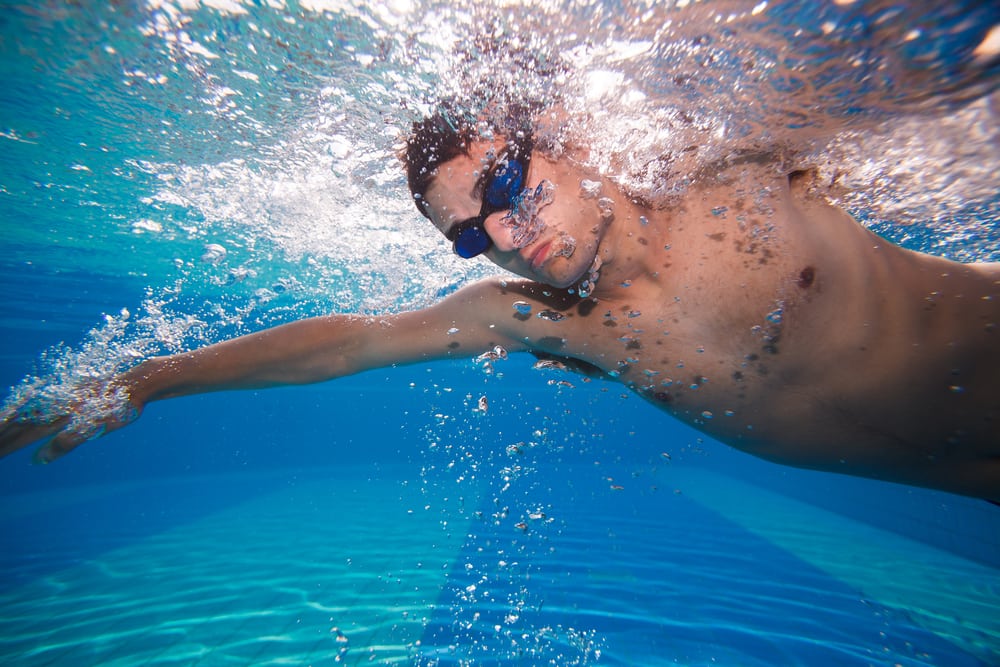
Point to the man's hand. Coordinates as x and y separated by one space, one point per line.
96 408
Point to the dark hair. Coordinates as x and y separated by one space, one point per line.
448 133
443 136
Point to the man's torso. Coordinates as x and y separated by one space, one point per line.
779 325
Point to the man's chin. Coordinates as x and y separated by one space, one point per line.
560 279
556 273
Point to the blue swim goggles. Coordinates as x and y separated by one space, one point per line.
502 185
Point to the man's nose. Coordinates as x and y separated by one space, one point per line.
501 233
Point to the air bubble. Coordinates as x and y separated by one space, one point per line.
607 208
523 307
566 246
238 275
590 189
523 221
146 225
214 253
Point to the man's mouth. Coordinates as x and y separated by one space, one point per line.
540 254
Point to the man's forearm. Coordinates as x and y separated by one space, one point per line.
301 352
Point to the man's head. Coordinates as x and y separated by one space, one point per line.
475 179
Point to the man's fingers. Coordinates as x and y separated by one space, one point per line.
20 427
17 434
60 445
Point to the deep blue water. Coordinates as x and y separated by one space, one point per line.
643 575
381 518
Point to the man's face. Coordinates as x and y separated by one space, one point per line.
552 237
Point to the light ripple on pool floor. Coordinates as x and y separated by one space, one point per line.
949 595
234 589
266 583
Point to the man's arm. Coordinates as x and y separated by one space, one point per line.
307 351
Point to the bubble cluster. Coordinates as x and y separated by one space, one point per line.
524 220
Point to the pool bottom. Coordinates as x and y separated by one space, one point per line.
310 572
363 566
953 597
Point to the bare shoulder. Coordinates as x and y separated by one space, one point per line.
534 315
495 300
519 315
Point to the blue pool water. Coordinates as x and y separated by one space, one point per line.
204 537
382 518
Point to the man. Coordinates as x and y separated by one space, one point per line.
748 307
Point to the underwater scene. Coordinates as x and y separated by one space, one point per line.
176 173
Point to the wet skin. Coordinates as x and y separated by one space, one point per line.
774 322
748 308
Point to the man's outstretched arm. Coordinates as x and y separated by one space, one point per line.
302 352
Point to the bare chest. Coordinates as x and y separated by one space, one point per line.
721 329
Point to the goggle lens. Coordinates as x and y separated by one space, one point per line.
472 241
505 184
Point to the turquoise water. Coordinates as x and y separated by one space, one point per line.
176 173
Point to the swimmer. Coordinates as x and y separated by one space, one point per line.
783 327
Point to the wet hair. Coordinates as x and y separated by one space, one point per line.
448 133
442 136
